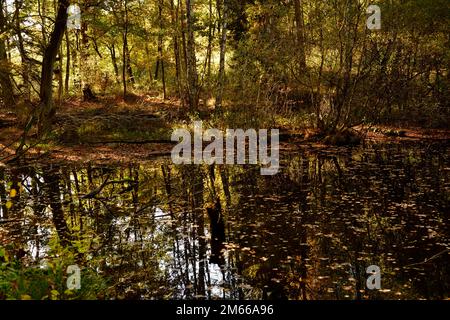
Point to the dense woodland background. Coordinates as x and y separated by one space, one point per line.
294 63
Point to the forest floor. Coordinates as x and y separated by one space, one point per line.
112 130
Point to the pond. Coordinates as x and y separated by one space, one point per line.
160 231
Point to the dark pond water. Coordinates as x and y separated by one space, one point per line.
159 231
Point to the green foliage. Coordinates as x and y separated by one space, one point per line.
21 280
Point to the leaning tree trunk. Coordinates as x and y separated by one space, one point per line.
46 108
112 50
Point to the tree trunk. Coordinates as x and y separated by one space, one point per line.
60 76
211 29
85 68
23 55
112 50
160 48
223 42
183 57
59 68
163 79
42 14
192 78
76 69
176 49
300 28
129 68
67 80
47 111
3 195
199 219
51 179
150 72
157 68
124 66
5 76
125 49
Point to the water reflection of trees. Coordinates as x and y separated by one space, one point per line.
307 233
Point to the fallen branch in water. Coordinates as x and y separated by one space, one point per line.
19 153
92 194
428 259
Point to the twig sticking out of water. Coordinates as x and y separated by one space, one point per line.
428 259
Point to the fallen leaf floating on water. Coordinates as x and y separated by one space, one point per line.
13 193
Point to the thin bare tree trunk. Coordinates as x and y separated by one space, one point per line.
67 80
60 76
129 67
176 48
160 60
42 14
112 50
59 69
223 43
209 50
124 51
192 77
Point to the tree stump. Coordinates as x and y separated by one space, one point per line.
88 94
